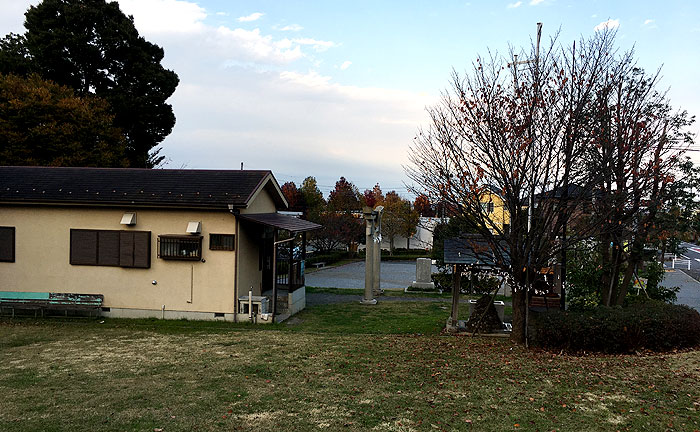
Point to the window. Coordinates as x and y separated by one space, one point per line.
7 244
178 247
487 207
222 242
110 248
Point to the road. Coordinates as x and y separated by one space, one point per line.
692 253
690 287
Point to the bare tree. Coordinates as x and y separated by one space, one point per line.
635 149
524 131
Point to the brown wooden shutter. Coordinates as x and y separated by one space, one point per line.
83 247
126 249
142 249
7 244
108 248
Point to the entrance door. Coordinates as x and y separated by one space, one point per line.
266 249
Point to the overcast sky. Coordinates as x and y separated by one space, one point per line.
339 88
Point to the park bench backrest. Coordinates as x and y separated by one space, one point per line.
51 299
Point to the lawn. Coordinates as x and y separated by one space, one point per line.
335 367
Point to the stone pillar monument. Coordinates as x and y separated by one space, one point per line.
370 218
376 286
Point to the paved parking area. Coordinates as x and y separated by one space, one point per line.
690 288
394 275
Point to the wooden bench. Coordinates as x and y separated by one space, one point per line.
549 301
40 301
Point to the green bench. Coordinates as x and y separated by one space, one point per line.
41 301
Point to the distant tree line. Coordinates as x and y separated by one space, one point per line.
341 213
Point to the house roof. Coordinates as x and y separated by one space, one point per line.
473 250
281 221
185 188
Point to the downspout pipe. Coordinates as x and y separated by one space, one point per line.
235 214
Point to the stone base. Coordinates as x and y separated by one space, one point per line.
368 302
423 285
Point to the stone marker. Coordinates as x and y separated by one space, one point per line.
484 317
423 273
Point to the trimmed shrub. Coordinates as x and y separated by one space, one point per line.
652 325
328 257
483 284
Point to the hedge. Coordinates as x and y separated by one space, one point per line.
651 325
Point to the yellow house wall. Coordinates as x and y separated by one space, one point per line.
500 215
42 246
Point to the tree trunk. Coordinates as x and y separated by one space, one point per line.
614 282
634 260
519 311
606 262
408 243
391 245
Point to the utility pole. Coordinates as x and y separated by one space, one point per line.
531 156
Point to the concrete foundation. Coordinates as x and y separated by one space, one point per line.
168 314
297 300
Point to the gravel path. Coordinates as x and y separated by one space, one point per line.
327 298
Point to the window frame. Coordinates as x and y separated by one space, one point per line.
221 246
187 239
13 245
119 256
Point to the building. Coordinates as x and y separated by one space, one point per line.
495 210
155 243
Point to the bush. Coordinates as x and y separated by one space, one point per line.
652 325
327 257
654 273
483 284
583 275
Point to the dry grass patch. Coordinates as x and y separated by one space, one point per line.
63 376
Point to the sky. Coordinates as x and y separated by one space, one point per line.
339 88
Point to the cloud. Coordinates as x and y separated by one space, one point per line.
178 22
609 25
649 21
222 13
295 124
254 96
163 16
252 17
317 45
346 64
291 27
251 45
535 2
514 5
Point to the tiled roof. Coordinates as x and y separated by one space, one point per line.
473 250
187 188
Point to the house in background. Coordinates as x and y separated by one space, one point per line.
494 208
155 243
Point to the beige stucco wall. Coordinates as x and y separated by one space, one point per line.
262 202
43 250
